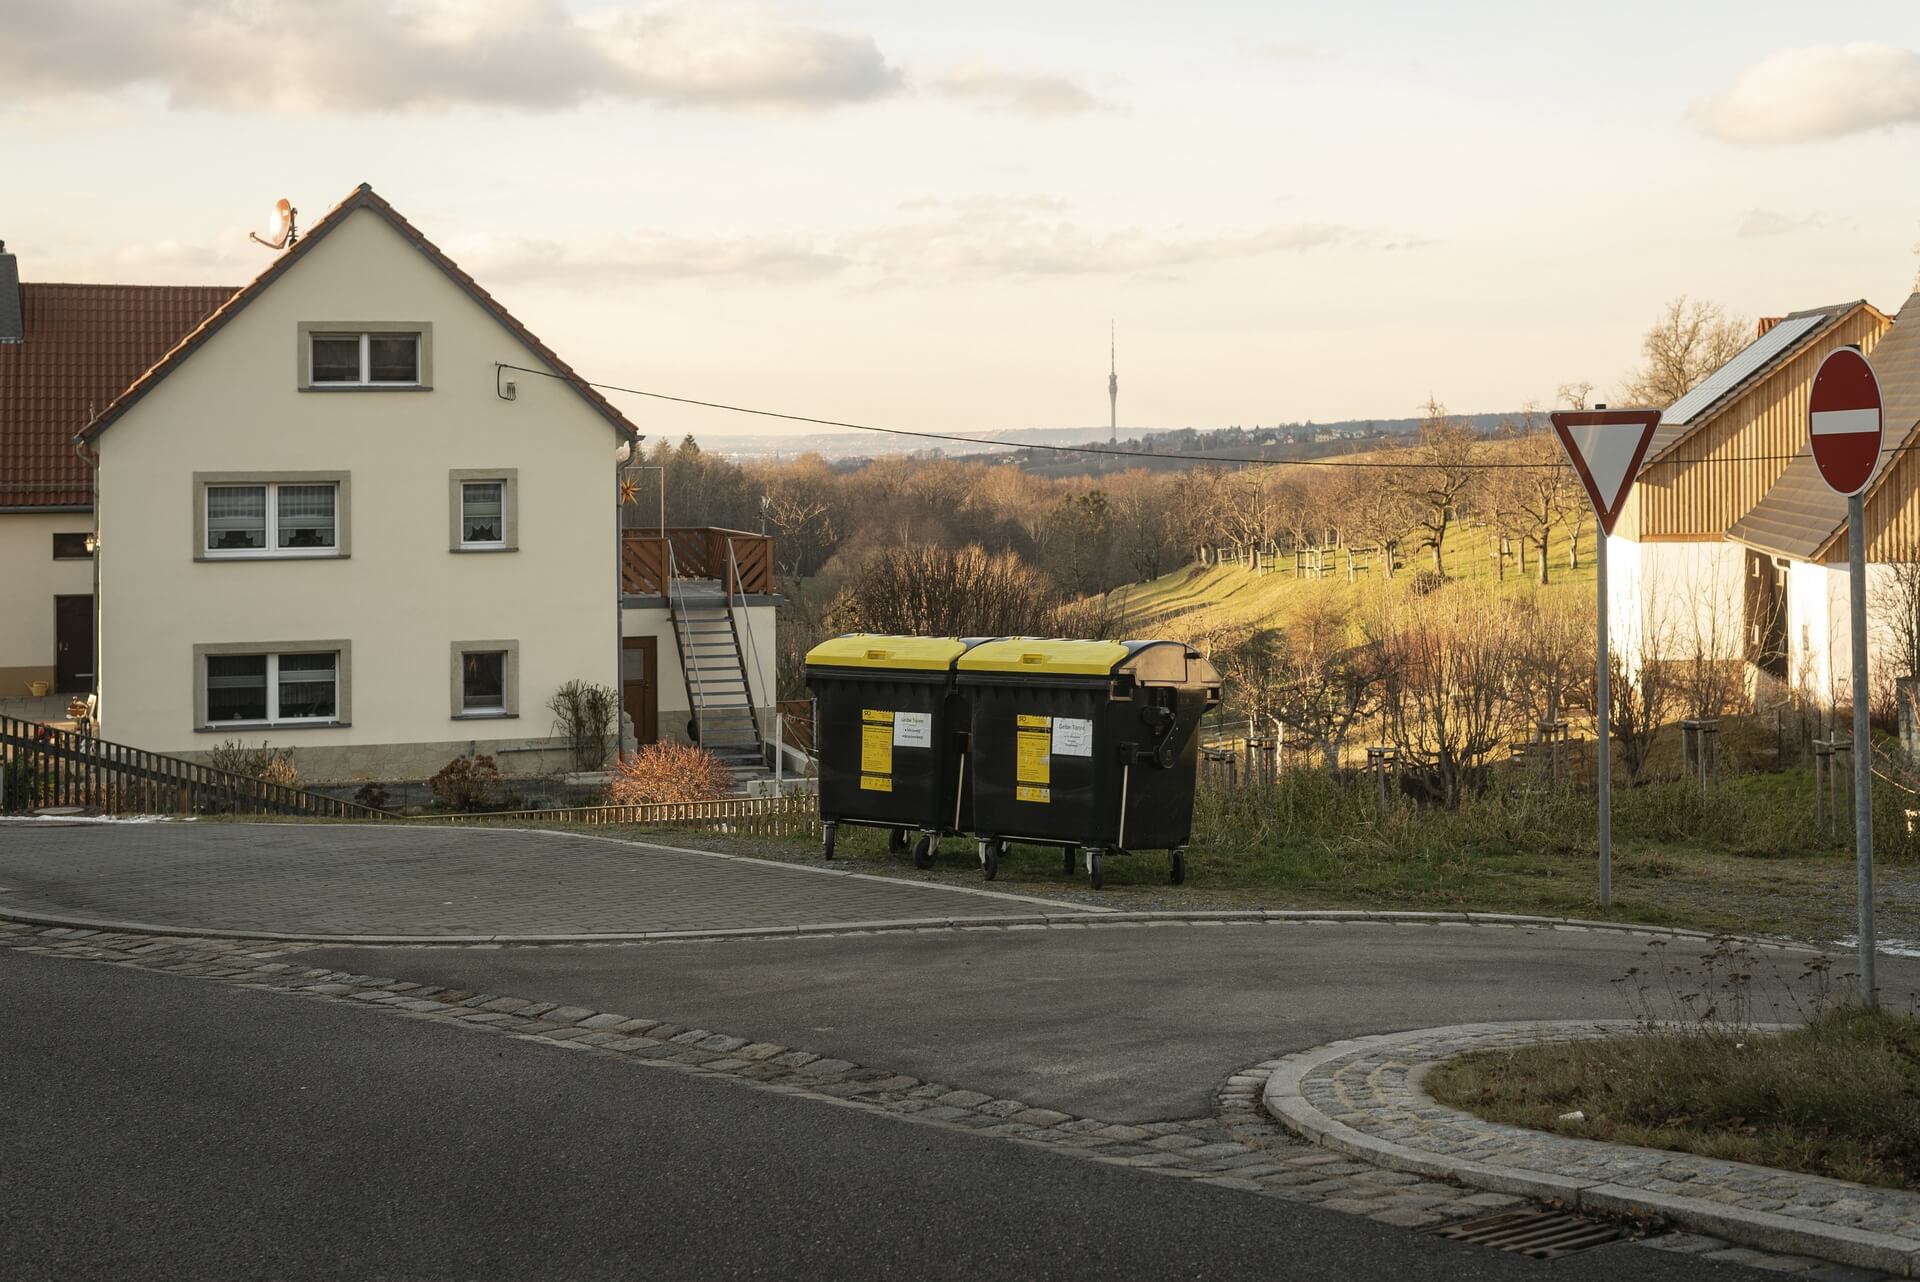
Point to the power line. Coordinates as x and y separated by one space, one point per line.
1106 451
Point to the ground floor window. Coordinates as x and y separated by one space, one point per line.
272 688
486 678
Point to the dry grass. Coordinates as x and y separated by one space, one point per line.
1839 1097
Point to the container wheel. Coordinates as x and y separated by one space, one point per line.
1178 875
990 852
1096 871
829 832
924 851
896 841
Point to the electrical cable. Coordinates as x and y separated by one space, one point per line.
1108 451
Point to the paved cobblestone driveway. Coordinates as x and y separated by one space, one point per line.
339 880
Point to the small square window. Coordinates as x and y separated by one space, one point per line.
393 358
483 681
308 683
483 514
71 547
236 518
236 687
336 358
306 516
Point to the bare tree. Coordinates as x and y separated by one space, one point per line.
1447 690
1442 480
1310 676
1690 340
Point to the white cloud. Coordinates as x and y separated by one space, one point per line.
1819 92
1771 222
971 239
393 55
1023 93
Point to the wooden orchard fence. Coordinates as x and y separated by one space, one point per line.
63 768
791 815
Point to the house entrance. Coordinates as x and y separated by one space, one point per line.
640 686
73 644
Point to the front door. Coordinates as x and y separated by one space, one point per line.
640 686
73 644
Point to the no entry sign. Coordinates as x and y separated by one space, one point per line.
1843 414
1606 448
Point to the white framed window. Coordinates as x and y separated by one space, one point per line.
367 358
271 689
486 679
483 514
483 506
270 518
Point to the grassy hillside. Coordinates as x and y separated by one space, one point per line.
1198 601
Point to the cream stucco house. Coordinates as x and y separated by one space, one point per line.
330 519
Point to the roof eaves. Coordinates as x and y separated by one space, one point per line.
362 197
1834 314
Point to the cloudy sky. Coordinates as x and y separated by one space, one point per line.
923 215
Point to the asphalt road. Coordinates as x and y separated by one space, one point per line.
1125 1023
164 1127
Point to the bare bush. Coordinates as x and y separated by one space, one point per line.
669 772
1447 691
945 592
466 783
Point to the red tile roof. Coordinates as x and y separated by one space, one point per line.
84 345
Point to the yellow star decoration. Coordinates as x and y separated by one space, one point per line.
629 492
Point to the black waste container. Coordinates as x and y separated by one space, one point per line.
1085 744
890 731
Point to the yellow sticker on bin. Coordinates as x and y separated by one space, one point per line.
876 745
1022 792
876 783
1032 760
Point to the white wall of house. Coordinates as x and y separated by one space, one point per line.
1820 632
1675 599
398 599
29 581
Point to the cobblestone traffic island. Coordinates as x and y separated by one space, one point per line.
1364 1098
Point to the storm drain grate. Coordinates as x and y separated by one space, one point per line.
1543 1235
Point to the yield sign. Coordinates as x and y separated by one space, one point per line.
1605 447
1843 413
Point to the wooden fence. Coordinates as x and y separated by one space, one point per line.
785 816
57 769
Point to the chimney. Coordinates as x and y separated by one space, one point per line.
12 324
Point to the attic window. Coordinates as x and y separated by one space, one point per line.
335 357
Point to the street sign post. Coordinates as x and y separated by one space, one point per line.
1844 426
1606 448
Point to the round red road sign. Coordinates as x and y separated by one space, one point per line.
1843 419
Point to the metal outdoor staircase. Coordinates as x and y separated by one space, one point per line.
719 689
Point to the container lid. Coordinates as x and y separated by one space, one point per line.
1148 662
867 650
1039 657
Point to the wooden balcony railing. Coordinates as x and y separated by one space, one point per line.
698 552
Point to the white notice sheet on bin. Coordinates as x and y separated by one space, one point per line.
1072 737
912 730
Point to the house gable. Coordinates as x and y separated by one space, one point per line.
1728 456
363 199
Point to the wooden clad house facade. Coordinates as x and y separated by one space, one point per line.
1796 536
1678 587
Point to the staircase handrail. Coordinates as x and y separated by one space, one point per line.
753 650
688 655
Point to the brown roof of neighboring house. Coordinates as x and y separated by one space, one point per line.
1800 517
82 346
362 197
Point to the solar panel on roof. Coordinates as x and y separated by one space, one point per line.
1751 358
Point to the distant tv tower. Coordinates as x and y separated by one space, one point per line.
1113 390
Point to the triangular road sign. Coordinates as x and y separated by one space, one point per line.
1606 447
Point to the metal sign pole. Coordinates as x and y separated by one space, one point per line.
1862 743
1603 716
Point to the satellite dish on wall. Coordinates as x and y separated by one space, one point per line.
283 230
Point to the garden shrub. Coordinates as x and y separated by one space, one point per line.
466 783
661 772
